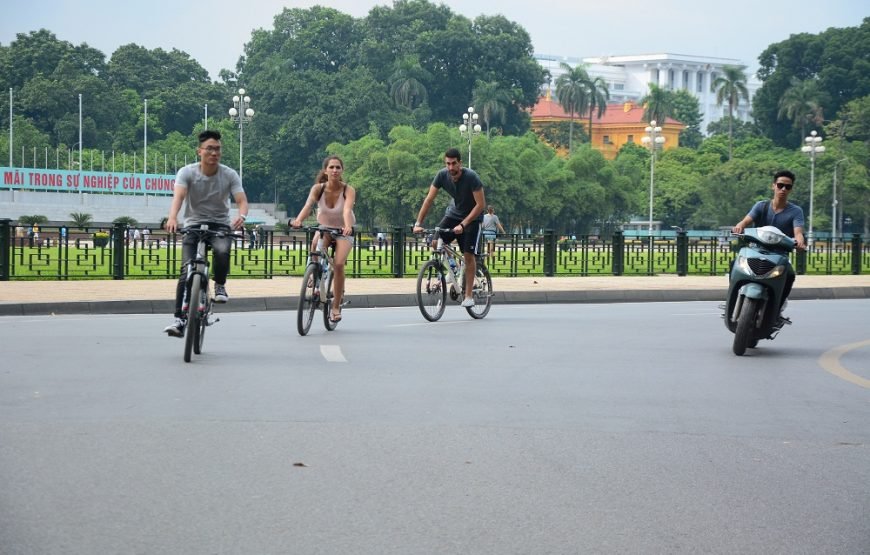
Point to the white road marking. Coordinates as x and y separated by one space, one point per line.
332 353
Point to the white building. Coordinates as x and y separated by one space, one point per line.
628 78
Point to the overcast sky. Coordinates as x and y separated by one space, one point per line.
214 31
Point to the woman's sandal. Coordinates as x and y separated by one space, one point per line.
335 315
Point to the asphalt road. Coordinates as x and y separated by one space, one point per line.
612 428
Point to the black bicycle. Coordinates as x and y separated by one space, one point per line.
317 291
445 273
198 303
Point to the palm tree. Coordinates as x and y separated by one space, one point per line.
81 219
659 104
406 83
801 102
730 87
491 101
599 94
573 95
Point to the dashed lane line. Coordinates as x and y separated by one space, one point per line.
332 353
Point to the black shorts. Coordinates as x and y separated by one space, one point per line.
469 239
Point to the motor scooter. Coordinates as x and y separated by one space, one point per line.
756 286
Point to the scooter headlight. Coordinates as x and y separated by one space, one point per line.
777 271
743 264
770 235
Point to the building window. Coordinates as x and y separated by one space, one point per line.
671 79
630 139
700 86
619 86
685 80
607 140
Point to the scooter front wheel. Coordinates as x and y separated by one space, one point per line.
744 333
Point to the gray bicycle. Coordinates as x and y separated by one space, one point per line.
443 274
317 291
198 302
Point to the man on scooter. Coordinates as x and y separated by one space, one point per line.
782 214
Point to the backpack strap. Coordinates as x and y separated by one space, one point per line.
764 210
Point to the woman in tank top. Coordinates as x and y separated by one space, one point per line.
334 200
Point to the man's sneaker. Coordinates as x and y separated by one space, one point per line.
467 302
220 293
176 329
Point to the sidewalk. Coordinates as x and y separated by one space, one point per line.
19 298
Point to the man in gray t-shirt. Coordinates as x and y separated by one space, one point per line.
780 213
205 188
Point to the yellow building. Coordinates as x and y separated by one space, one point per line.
621 123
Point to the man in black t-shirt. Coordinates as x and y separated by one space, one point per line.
463 215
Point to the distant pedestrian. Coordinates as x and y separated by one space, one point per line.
491 227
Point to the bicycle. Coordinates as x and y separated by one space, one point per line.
320 269
446 268
198 304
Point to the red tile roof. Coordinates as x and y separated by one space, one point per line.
617 113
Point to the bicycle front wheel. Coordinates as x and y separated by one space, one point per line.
328 323
193 315
308 301
431 290
481 290
204 311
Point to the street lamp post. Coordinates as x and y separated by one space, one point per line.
653 140
812 147
10 128
834 202
241 112
469 128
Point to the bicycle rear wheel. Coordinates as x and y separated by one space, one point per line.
431 290
204 311
327 304
308 301
193 315
481 290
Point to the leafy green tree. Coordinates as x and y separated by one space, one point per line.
854 120
572 94
688 112
730 87
128 221
81 219
491 101
659 104
407 86
802 104
599 95
35 219
835 58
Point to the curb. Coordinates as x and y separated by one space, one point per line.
382 300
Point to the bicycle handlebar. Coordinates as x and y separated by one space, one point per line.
334 231
203 230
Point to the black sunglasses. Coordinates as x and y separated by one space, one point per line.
786 186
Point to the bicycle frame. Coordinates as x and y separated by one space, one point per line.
197 302
199 263
435 275
317 291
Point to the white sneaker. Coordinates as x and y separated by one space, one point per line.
176 329
467 302
220 293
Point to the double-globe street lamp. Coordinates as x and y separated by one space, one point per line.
469 128
241 112
653 139
812 147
